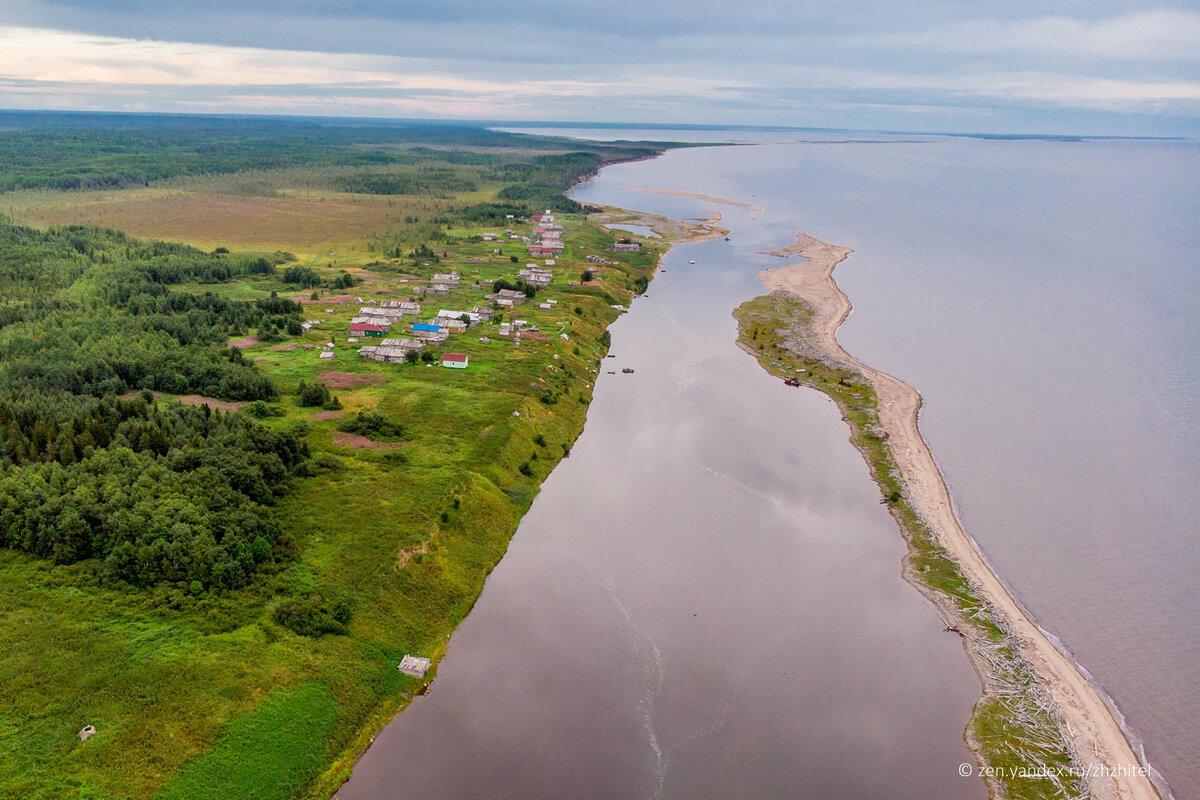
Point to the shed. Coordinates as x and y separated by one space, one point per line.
414 666
455 360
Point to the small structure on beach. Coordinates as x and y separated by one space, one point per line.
414 666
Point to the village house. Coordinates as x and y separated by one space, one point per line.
596 260
455 360
536 276
430 333
326 354
514 297
367 329
483 312
472 317
538 251
626 247
545 306
402 306
451 324
447 278
403 342
390 355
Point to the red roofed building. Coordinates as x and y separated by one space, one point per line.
455 360
367 329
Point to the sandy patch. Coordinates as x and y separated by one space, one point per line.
347 380
1091 729
343 439
249 341
696 195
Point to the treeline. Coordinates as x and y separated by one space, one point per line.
91 467
540 183
113 151
424 181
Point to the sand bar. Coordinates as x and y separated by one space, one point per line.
1092 730
697 195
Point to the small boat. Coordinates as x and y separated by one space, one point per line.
627 371
792 381
691 262
612 372
727 238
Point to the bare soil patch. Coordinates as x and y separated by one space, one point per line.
343 439
212 402
347 380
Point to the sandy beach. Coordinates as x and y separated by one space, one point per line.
1113 771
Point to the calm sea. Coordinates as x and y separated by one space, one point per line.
1043 296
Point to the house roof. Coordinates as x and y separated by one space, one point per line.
366 326
421 326
456 357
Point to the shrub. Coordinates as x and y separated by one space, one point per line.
373 426
526 469
312 394
312 615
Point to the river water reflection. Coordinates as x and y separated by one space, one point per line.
705 599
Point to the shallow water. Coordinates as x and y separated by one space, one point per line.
705 599
640 230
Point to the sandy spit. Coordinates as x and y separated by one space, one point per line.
697 195
1092 730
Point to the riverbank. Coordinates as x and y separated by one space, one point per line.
1028 684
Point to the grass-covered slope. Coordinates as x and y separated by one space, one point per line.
148 391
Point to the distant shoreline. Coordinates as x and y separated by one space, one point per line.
1090 730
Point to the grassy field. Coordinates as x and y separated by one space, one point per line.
1011 729
308 223
203 694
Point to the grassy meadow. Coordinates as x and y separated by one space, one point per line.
200 692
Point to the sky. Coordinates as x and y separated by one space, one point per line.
1117 67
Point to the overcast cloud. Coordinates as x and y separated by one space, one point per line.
1099 67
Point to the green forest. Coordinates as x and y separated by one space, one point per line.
92 466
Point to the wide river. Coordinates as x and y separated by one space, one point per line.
705 599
